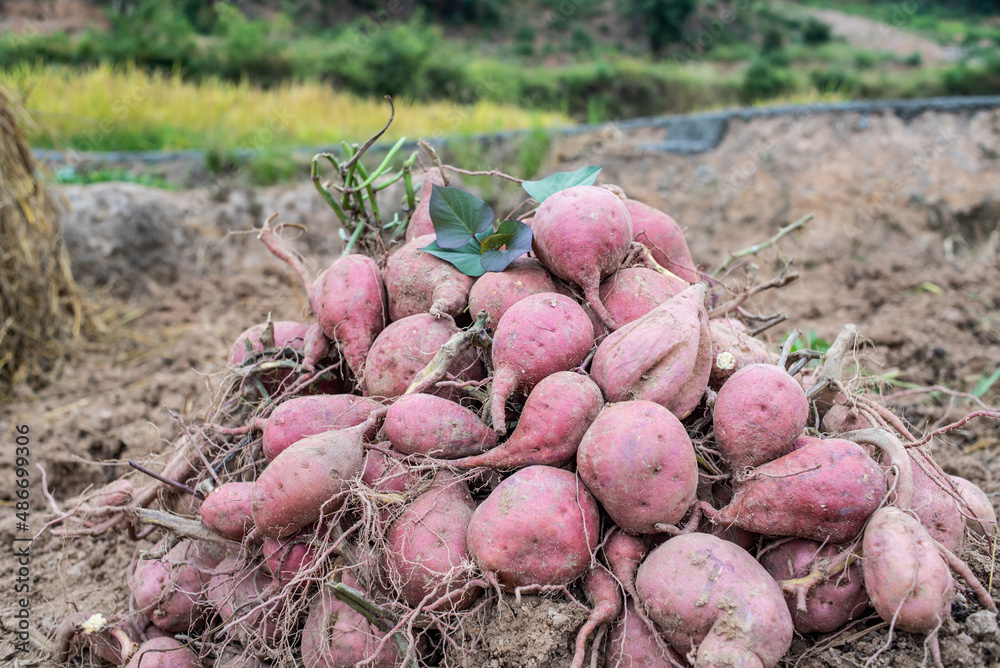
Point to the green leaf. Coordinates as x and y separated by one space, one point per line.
550 185
458 216
466 258
495 242
985 383
517 239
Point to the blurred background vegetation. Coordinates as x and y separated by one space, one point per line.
270 75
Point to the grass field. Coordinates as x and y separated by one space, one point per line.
108 108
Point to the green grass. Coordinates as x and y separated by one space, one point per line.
71 176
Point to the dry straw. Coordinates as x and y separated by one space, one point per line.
41 307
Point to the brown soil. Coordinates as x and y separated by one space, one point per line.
903 243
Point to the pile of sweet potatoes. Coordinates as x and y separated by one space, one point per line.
588 423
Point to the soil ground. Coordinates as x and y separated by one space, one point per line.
903 242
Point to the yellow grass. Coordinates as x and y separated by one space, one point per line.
105 108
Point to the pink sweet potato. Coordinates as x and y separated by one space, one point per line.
420 221
336 636
936 509
825 490
308 479
164 653
982 519
287 333
405 347
170 590
603 593
538 527
629 294
496 291
428 425
759 413
581 235
732 349
827 606
297 418
238 592
907 579
556 415
226 510
285 557
664 356
537 337
385 474
350 305
624 553
638 462
660 234
632 645
711 598
426 549
417 282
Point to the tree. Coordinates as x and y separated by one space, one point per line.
664 20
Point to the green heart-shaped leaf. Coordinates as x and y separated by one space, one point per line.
457 216
517 239
466 258
550 185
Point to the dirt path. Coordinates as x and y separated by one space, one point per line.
867 33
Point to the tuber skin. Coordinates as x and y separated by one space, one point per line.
286 333
226 510
164 653
632 645
729 337
827 606
496 291
538 527
555 417
405 347
664 356
308 479
170 590
629 294
936 509
235 590
603 593
663 236
638 462
420 221
825 490
537 337
428 425
427 549
759 413
982 519
297 418
349 301
713 601
582 234
285 557
417 282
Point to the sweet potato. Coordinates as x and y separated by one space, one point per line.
629 294
537 337
825 491
827 606
297 418
426 546
238 592
496 291
664 356
982 518
556 415
759 413
638 462
336 636
405 347
349 301
663 236
711 598
936 509
624 553
732 349
417 282
226 510
907 579
632 645
309 478
581 235
538 527
603 593
420 220
428 425
170 590
385 474
286 333
164 653
285 557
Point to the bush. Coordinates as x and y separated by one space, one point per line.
914 60
981 78
773 40
765 80
835 80
524 40
581 41
816 32
663 20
